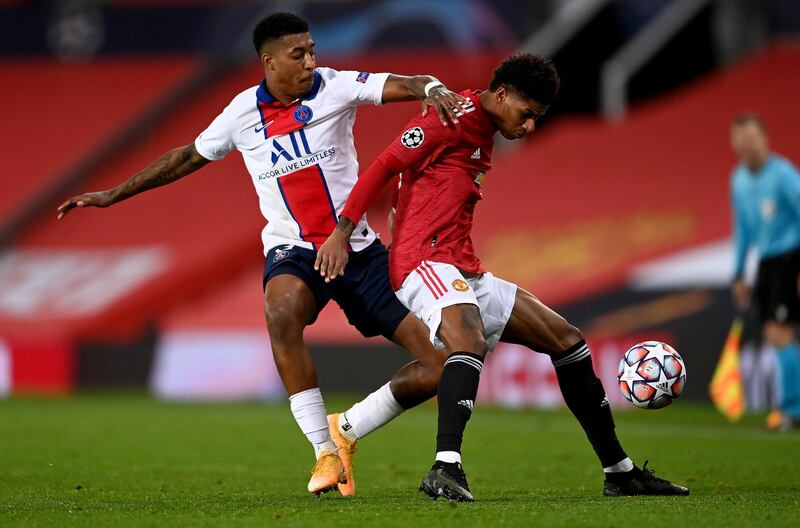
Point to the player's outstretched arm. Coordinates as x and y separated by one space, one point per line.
431 90
332 255
172 166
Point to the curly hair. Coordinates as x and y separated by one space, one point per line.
529 75
276 26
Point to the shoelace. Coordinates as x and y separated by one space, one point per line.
649 474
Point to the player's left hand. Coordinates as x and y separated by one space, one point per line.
332 256
446 103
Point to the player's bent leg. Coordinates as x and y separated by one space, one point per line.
539 328
413 384
288 305
461 330
372 306
536 326
417 381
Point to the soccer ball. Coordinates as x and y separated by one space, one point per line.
651 375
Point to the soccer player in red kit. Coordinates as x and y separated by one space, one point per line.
436 274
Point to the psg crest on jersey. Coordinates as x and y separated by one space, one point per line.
413 137
303 114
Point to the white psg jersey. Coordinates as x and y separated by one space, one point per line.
301 157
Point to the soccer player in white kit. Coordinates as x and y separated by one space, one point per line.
295 132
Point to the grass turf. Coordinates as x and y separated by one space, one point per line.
126 460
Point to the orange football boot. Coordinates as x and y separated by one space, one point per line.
327 474
346 451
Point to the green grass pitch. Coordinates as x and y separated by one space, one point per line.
127 460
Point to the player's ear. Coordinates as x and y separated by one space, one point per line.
268 58
500 94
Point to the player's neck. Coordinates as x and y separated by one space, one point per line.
279 94
758 163
487 103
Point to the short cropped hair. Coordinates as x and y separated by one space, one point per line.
276 26
750 117
529 75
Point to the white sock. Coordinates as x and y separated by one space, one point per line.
450 457
372 412
622 466
309 412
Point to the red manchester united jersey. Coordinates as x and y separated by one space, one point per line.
442 171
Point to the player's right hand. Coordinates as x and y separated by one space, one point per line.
332 256
93 199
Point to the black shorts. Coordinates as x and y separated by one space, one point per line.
364 292
775 292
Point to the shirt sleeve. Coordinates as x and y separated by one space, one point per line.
790 187
419 144
741 235
357 88
216 141
368 186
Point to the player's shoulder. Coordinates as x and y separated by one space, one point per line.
783 164
427 129
344 80
326 73
333 81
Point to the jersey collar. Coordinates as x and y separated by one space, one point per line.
264 96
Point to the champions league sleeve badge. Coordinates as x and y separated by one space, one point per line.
412 138
303 114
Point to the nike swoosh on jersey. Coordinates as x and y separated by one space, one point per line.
261 129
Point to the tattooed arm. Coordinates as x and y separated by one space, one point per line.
172 166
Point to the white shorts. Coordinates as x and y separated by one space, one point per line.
434 286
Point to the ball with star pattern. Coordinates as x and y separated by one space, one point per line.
651 375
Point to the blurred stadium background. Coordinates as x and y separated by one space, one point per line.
616 211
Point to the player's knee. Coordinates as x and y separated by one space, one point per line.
428 379
284 318
464 332
567 336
